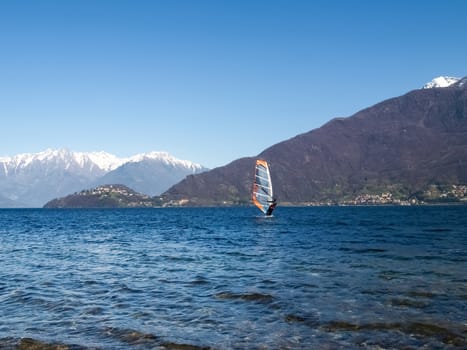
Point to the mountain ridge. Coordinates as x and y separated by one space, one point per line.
103 160
402 145
32 179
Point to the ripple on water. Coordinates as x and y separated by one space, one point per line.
324 278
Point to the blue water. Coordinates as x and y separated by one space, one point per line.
225 278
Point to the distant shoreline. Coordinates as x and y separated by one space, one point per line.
284 205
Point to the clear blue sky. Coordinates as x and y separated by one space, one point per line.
210 81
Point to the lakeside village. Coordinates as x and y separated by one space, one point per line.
452 194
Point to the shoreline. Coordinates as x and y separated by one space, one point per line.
284 205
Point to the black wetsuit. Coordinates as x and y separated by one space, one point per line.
271 208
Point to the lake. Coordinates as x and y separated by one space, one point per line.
227 278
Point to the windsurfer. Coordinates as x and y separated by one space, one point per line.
261 193
271 207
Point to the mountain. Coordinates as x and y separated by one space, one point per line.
402 146
33 179
139 172
108 196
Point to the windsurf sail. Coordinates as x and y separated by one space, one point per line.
262 194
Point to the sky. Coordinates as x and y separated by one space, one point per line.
210 81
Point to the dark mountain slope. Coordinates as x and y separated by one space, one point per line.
230 183
401 145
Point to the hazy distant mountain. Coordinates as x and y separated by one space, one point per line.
139 173
402 145
34 179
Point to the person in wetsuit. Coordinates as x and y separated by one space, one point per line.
271 207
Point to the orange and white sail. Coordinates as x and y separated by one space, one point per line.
262 194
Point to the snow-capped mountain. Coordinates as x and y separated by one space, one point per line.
441 82
32 179
138 172
90 163
164 158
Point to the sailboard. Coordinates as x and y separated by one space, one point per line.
262 194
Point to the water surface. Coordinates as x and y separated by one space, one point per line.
225 278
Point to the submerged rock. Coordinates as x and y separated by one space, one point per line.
257 297
131 336
417 329
177 346
34 344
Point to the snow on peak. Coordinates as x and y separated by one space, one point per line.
441 82
166 158
150 155
102 160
